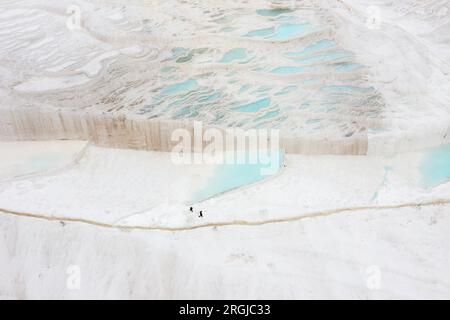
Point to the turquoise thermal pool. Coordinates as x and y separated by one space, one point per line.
279 75
227 177
435 166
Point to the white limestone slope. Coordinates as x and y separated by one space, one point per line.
358 227
394 254
139 188
78 218
29 158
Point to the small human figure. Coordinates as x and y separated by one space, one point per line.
201 214
191 209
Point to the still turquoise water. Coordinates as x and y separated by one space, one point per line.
288 70
435 166
289 31
187 85
231 176
234 54
254 106
261 32
282 32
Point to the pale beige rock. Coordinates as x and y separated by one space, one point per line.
119 132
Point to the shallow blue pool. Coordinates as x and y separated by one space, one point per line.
288 70
233 55
289 31
187 85
231 176
435 166
254 106
282 32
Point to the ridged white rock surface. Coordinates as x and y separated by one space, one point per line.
370 226
318 71
402 254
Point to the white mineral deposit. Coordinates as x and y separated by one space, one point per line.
109 110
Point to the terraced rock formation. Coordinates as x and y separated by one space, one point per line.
320 72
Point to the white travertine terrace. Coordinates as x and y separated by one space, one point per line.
317 230
333 79
316 70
